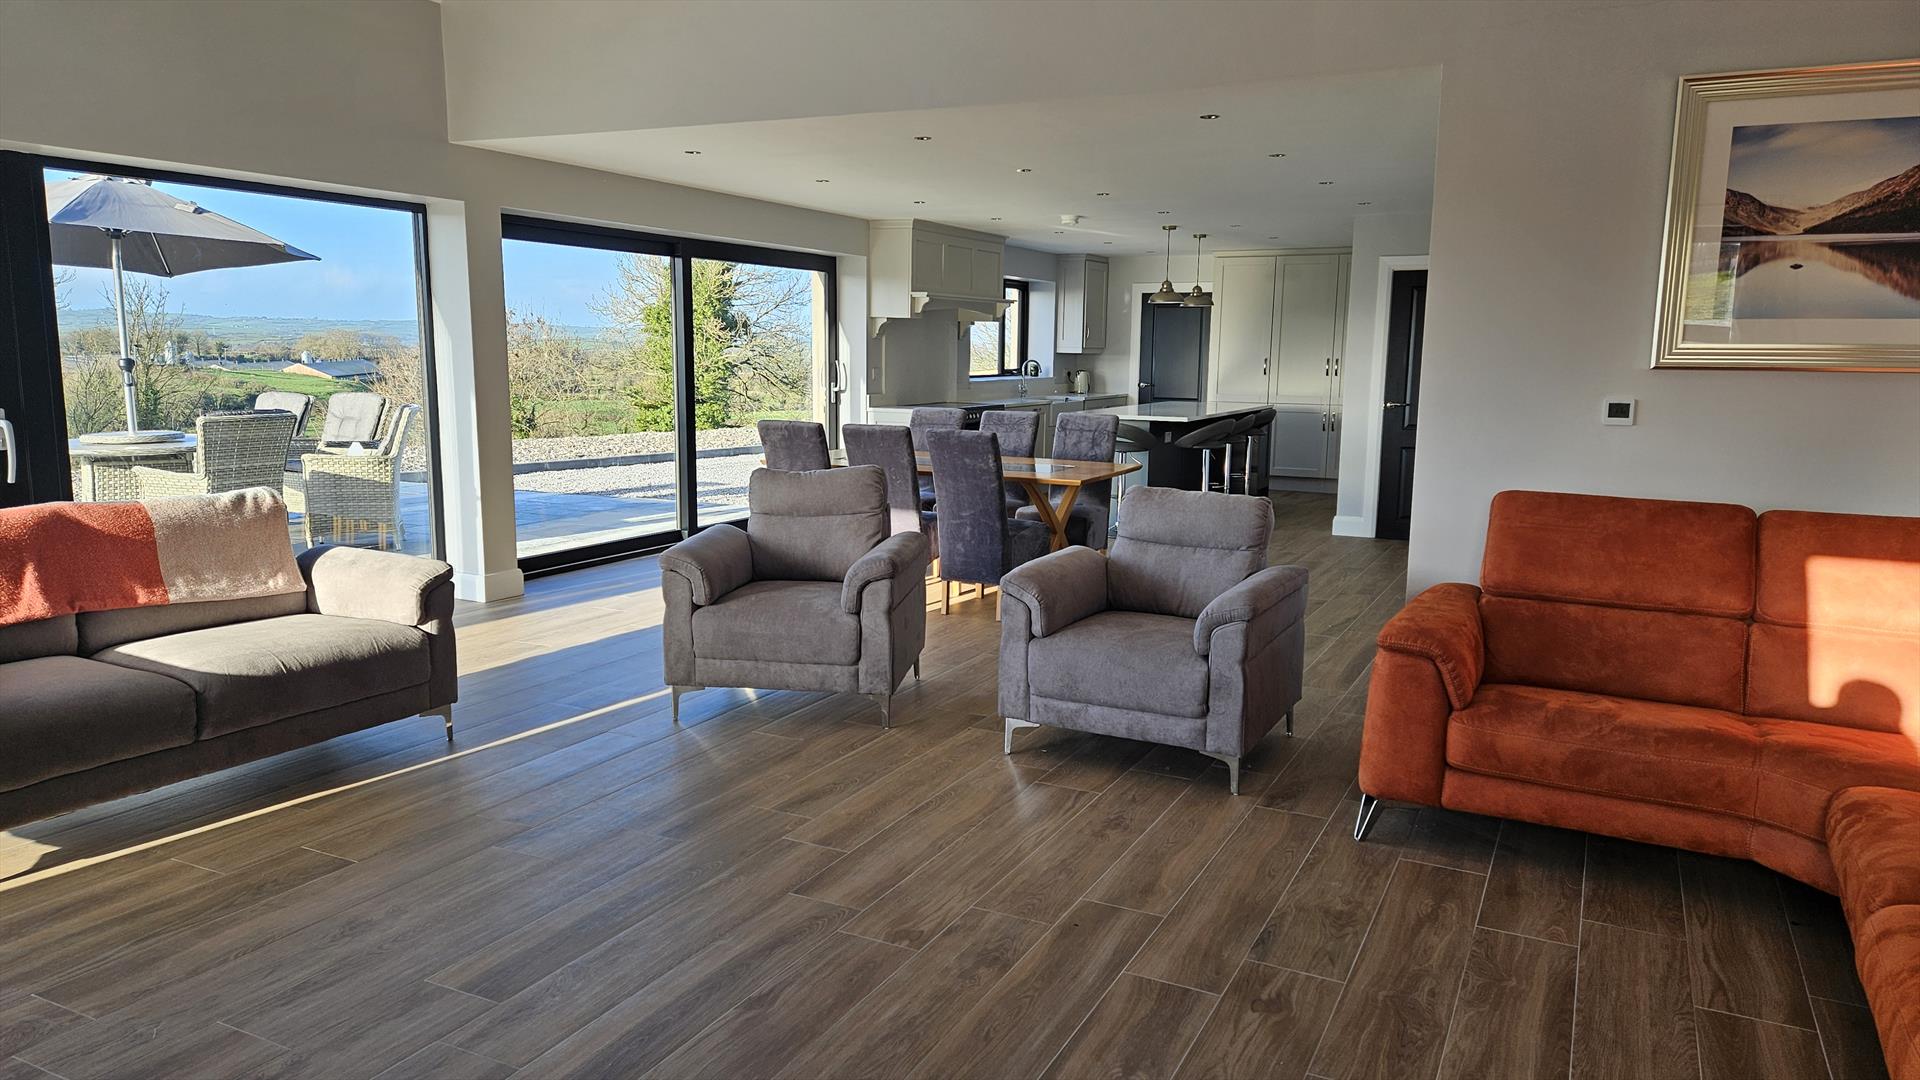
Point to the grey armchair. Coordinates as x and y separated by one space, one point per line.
813 595
1181 635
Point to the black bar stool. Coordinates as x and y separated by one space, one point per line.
1208 438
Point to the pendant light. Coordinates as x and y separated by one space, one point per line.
1197 298
1167 294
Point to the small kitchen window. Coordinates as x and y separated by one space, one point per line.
998 348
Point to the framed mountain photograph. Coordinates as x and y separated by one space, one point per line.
1793 221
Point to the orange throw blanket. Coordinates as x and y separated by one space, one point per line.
66 558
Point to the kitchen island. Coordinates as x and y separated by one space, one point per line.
1156 424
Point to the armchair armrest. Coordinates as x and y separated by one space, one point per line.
1442 625
362 584
154 483
1060 589
714 561
901 559
1260 593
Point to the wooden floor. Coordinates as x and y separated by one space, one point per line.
780 888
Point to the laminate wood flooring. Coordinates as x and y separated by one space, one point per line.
779 887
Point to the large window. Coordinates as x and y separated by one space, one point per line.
999 348
250 336
638 366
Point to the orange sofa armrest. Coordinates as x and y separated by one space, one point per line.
1442 625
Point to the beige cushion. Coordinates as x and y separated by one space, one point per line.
1125 660
253 673
63 714
790 622
105 629
55 636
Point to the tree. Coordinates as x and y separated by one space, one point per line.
165 395
336 344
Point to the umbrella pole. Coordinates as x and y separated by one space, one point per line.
126 345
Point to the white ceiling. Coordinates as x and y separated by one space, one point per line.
1372 135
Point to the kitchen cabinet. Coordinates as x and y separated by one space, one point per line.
916 266
1080 321
1279 326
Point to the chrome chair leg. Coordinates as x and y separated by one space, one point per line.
1232 761
1363 821
677 691
1014 725
885 701
916 671
445 713
1289 723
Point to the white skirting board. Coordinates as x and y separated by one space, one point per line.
1351 525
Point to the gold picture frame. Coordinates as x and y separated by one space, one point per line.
1704 259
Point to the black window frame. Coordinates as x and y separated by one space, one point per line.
32 256
681 251
1024 307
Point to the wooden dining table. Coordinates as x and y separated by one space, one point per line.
1040 477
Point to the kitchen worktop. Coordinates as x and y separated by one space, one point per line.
1181 412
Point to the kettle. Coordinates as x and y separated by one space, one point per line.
1081 380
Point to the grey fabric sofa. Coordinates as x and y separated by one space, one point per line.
813 595
108 703
1182 635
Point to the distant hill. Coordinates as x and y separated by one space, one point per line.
245 332
1890 206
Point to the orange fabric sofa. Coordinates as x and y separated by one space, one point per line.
1687 674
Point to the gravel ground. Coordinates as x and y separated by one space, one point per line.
722 479
605 446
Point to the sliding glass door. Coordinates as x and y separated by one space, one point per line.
206 336
638 366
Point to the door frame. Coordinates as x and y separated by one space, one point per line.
1376 391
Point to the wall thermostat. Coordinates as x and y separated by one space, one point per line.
1618 411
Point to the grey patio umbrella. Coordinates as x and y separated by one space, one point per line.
128 225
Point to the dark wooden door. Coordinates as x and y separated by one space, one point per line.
1400 411
1173 345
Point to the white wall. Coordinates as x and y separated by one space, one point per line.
350 96
1374 237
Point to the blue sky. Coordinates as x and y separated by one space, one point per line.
365 270
558 282
1805 165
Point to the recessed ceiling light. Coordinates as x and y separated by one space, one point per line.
923 138
996 219
1059 232
695 153
1102 194
1363 204
919 202
1326 183
823 181
1273 238
1233 226
1109 243
1023 170
1210 116
1276 155
1163 211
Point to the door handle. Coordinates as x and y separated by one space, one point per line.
1394 405
1144 385
10 448
1263 364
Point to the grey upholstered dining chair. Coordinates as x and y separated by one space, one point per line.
1178 636
932 418
1018 431
1084 437
979 543
300 405
813 595
794 445
890 448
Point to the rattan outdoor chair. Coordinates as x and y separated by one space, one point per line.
236 450
348 494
